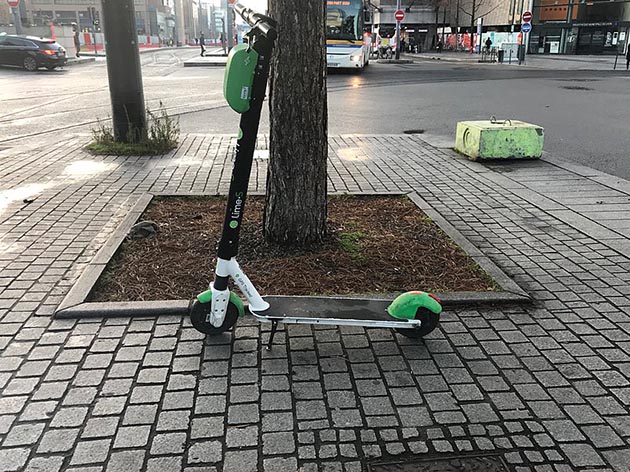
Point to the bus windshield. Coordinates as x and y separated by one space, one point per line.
343 19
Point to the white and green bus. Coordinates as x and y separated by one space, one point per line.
346 45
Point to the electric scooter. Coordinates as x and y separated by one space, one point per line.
414 314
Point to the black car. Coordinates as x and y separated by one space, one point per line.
31 52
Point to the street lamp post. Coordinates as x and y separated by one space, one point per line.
398 6
17 19
180 27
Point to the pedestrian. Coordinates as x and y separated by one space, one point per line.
438 46
77 40
488 43
402 45
628 58
202 42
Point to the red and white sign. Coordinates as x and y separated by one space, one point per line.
13 3
527 17
399 15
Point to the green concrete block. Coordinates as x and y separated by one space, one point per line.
493 139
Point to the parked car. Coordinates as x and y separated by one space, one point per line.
31 52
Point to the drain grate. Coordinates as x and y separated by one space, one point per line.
414 131
575 87
445 464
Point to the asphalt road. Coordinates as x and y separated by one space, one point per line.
586 115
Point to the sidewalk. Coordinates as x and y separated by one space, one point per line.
141 50
544 387
538 61
214 57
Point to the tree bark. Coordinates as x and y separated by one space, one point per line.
295 211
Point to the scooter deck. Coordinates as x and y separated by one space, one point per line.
331 311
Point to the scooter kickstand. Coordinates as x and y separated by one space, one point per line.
274 328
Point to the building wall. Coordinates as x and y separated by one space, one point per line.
495 13
61 12
420 13
550 11
420 25
150 14
5 14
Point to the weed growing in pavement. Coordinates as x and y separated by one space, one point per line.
163 130
161 137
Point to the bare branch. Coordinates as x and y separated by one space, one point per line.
488 12
479 4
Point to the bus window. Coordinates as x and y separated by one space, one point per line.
343 19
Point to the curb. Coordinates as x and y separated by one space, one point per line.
394 61
80 60
75 304
205 64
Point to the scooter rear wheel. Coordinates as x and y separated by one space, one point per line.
429 321
199 312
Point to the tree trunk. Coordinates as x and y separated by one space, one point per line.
436 37
295 212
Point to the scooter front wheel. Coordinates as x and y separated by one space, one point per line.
429 322
199 314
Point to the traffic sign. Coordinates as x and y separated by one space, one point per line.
399 15
527 17
526 27
13 3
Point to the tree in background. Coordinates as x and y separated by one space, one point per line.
476 9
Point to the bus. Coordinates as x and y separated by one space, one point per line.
346 45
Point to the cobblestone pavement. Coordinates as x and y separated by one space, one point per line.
545 386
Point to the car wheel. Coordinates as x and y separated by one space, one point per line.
30 64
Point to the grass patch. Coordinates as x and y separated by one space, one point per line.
349 242
162 136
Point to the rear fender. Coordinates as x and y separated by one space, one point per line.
405 306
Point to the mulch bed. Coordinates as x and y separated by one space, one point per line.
375 245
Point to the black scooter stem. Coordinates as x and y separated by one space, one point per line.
245 146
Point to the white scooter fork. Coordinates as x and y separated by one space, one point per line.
221 298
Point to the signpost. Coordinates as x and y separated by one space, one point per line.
17 19
526 27
95 22
479 46
399 15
